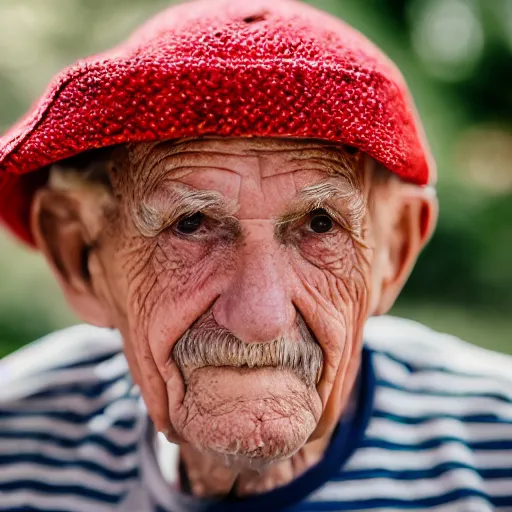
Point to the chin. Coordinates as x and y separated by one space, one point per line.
248 418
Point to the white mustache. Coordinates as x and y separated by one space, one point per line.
208 344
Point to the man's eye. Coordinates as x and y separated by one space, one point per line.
190 224
320 221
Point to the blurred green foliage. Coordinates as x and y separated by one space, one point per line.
457 57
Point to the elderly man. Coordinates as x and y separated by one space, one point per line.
228 198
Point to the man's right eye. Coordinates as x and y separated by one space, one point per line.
190 224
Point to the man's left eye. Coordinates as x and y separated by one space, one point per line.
190 224
320 221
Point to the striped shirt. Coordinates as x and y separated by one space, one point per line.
432 431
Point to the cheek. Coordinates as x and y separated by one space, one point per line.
172 287
337 268
334 280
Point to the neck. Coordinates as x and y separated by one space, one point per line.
207 477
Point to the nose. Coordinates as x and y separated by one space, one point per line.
257 307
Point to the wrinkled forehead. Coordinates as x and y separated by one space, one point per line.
242 154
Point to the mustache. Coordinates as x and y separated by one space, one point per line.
206 343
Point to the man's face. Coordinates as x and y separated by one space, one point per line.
240 273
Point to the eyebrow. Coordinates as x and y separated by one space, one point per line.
155 213
327 195
180 201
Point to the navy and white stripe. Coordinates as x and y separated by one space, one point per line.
436 433
69 424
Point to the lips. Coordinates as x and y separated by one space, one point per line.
206 344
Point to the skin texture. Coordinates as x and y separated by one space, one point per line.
255 268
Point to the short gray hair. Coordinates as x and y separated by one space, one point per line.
87 169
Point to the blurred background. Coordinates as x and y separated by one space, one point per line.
456 56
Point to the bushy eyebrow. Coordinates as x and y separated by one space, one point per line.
327 195
155 215
339 194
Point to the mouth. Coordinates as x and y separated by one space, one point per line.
241 368
206 344
308 367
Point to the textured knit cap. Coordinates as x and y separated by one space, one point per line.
219 67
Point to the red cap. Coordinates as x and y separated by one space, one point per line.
216 67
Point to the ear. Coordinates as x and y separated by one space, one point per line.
62 237
414 221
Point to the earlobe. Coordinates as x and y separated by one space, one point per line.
414 224
62 238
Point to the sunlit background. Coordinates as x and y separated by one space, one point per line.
457 58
